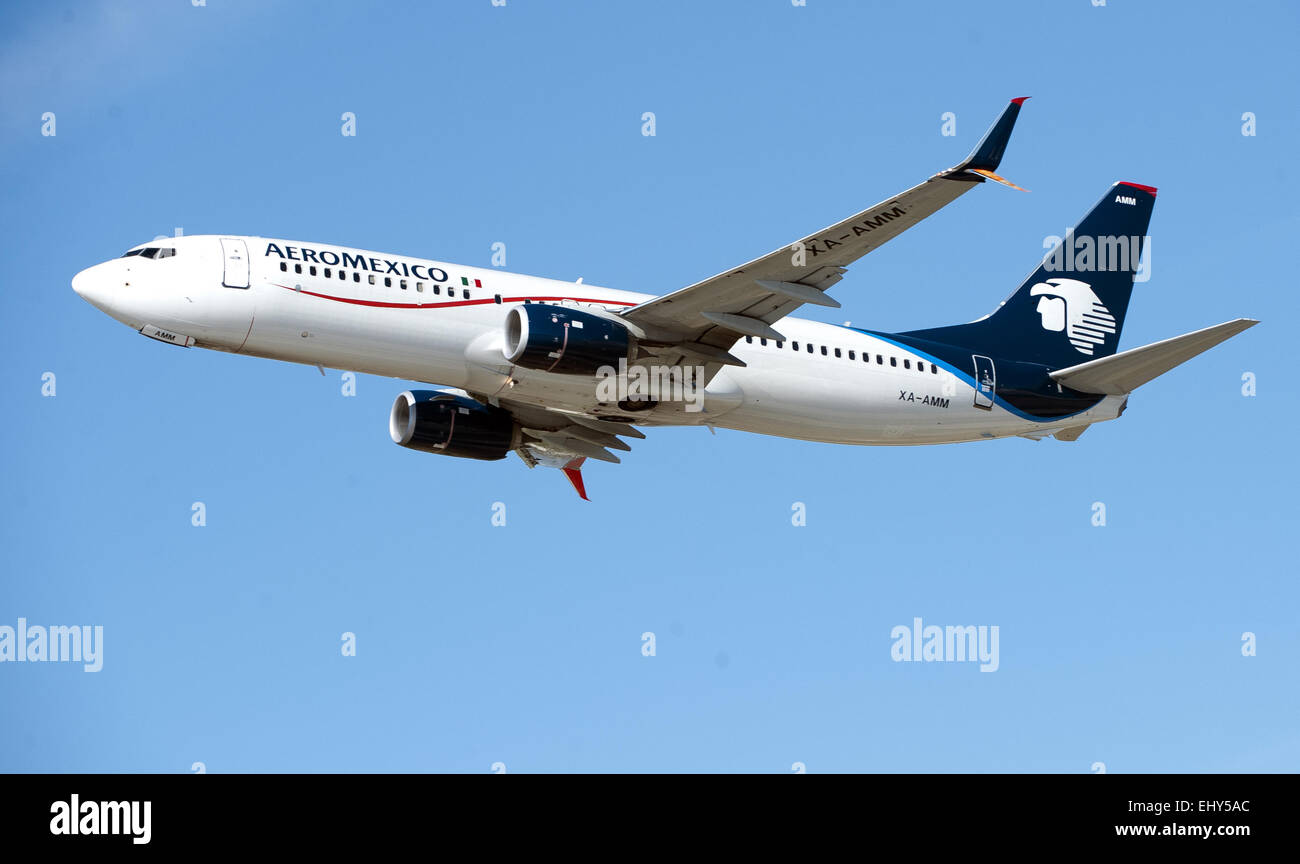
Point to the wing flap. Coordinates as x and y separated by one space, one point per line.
565 440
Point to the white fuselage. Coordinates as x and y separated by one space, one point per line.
443 324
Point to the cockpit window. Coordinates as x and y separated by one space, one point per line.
152 252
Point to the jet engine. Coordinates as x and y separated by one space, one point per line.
559 339
439 422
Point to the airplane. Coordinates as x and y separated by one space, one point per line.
561 372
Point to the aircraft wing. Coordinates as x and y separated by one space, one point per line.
703 320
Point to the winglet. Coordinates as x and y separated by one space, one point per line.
573 470
988 153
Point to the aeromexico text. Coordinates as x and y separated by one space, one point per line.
383 266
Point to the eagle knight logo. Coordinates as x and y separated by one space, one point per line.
1071 306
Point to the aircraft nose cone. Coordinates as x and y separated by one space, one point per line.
91 286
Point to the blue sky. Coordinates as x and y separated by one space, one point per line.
522 644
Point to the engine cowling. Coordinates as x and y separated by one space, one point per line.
563 340
438 422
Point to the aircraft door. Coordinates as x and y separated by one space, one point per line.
985 381
235 253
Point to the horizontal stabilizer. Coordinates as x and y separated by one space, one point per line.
1123 373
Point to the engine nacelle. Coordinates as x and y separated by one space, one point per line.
439 422
563 340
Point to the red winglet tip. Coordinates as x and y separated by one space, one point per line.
575 477
1150 189
1020 100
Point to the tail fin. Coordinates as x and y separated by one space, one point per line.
1071 309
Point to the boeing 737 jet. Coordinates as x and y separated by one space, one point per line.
561 372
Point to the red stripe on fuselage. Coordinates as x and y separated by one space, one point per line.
489 300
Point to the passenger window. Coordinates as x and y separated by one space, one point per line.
780 344
312 270
356 277
794 345
297 268
852 356
284 268
893 361
388 282
342 275
749 339
810 348
907 364
464 293
934 370
762 341
437 290
372 278
419 286
403 284
823 350
837 352
327 272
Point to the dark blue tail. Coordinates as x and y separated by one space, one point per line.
1071 309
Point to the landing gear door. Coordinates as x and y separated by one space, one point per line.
986 382
235 253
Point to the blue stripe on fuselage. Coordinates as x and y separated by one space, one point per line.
966 376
